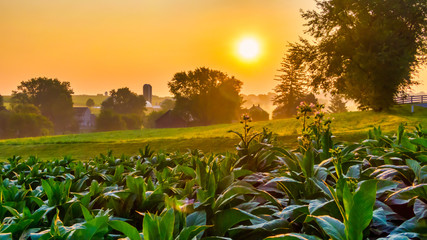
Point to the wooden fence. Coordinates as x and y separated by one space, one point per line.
411 99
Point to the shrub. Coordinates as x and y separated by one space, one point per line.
90 103
150 119
132 121
109 121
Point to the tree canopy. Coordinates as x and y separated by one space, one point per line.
337 104
90 103
292 88
2 107
366 50
167 104
206 96
51 96
24 120
124 101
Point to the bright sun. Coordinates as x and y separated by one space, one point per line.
248 48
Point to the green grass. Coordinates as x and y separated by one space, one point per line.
350 126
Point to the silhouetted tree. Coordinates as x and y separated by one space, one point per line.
25 108
90 103
24 120
337 104
108 120
206 96
122 110
167 104
2 107
292 87
366 50
51 96
123 101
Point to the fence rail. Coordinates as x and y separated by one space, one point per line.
411 99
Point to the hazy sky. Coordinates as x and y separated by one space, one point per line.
98 45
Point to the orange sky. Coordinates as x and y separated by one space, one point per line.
98 45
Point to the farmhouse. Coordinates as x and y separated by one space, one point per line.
257 113
85 119
170 120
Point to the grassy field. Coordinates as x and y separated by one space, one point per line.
350 126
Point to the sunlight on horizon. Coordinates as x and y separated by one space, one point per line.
248 48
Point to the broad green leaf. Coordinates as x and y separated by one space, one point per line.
6 236
404 195
241 173
187 170
196 219
283 179
386 186
130 231
420 141
12 211
415 166
307 163
188 233
332 226
401 236
86 213
362 210
166 225
266 226
292 209
230 193
159 227
422 158
217 238
423 174
407 226
93 229
150 227
420 209
225 219
47 189
348 201
293 236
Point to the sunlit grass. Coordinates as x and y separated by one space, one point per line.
350 126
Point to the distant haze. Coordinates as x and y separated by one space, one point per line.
99 45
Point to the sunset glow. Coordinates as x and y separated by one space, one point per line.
100 45
249 48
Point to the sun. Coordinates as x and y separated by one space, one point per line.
248 48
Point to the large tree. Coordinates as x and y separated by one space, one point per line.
292 88
124 109
2 107
51 96
366 50
337 104
124 101
206 96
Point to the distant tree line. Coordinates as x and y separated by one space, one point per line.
40 106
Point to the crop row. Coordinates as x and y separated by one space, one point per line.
322 190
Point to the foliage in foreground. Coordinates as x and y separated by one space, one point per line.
376 188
